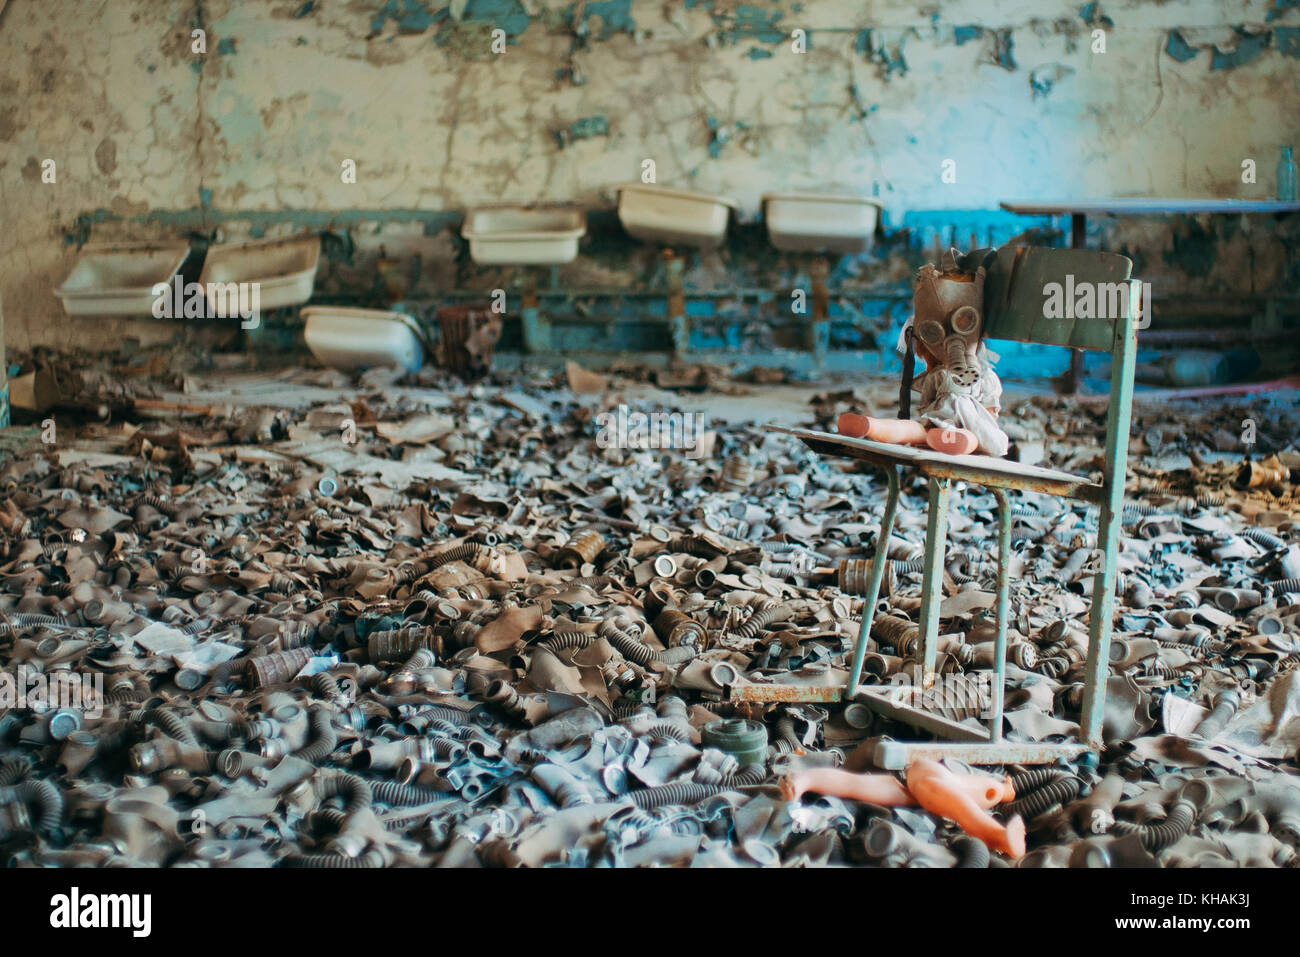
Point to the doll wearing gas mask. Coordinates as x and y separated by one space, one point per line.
959 394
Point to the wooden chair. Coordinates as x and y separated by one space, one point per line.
1014 300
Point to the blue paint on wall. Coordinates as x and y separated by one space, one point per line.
1044 78
417 16
955 227
1090 13
1287 40
965 34
890 61
615 16
584 129
750 23
509 15
1003 50
1280 7
720 134
1179 49
226 46
412 16
758 53
1248 48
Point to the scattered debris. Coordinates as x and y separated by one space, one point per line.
427 624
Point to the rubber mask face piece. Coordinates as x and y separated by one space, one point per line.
948 304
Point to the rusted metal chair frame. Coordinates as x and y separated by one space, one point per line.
1013 310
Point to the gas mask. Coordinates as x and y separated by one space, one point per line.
948 307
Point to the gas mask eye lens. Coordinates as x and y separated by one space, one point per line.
965 320
930 332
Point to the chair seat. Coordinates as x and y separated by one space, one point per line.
980 469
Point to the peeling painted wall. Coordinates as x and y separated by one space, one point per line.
151 139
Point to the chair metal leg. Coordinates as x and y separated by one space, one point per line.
1097 668
1003 612
873 589
936 539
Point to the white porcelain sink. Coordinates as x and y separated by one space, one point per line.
673 217
117 279
523 236
284 269
348 338
820 222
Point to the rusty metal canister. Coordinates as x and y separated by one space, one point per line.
1268 473
854 575
675 628
584 547
398 644
737 474
896 632
278 668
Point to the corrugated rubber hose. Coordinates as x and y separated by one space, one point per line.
407 795
763 616
688 792
13 770
44 802
563 640
1157 837
1036 803
1261 537
171 723
468 552
450 715
355 791
667 729
637 651
29 620
323 739
971 852
334 861
1034 778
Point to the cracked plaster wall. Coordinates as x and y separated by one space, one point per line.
150 139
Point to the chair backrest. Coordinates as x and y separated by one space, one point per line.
1059 297
1018 304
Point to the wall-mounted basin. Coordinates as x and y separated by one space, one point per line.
820 222
284 269
523 236
117 279
348 338
673 217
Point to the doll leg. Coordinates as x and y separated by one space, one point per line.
896 431
952 441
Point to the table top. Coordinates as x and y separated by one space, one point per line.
1134 206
